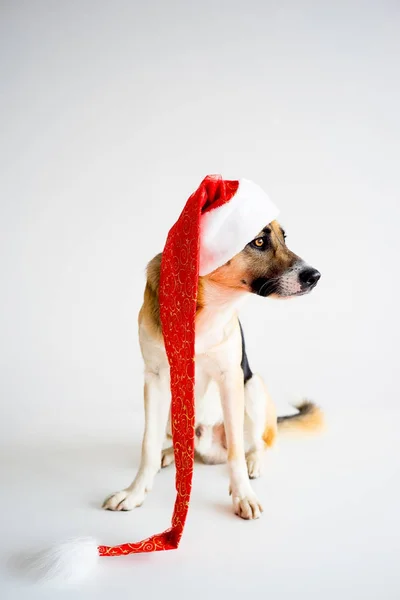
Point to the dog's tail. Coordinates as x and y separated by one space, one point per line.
308 419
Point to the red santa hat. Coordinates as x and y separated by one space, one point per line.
232 214
218 220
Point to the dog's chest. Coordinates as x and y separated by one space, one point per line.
217 346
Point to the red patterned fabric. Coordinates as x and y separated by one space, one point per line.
178 298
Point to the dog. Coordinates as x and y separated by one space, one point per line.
235 417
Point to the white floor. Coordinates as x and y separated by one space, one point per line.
330 527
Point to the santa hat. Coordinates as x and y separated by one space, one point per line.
218 220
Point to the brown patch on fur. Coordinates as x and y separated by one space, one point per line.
309 419
153 272
150 312
200 296
269 436
232 454
232 274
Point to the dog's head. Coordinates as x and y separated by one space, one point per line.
267 267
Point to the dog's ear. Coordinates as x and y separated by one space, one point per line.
153 272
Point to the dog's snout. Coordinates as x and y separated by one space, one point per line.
309 277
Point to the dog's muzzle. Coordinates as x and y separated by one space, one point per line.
296 281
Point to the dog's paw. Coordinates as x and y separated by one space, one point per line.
167 457
254 464
246 506
124 500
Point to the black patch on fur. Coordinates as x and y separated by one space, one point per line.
263 286
247 372
305 408
199 431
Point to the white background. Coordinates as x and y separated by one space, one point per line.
111 114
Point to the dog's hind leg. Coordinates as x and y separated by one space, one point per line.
157 403
260 424
209 441
210 446
167 457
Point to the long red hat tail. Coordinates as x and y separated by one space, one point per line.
178 299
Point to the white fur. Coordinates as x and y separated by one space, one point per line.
69 562
226 230
289 283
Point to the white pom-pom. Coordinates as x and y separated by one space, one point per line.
69 562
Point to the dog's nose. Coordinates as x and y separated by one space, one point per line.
309 277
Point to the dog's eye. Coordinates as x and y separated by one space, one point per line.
261 243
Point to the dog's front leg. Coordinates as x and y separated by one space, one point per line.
245 502
157 402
